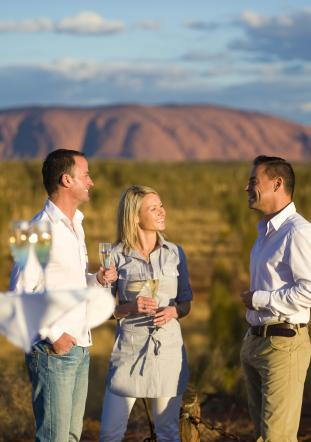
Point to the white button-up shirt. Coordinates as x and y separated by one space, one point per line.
280 268
67 269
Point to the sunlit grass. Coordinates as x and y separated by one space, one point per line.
207 215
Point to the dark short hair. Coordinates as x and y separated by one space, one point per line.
276 166
57 163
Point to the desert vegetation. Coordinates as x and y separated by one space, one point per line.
208 215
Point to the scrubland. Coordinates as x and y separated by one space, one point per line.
207 214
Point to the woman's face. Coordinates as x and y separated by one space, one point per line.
151 215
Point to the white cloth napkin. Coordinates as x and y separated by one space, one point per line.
23 315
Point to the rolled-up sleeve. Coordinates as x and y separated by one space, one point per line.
184 292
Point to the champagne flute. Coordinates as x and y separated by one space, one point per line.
152 284
104 251
141 284
41 239
19 245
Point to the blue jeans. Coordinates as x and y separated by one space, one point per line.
59 390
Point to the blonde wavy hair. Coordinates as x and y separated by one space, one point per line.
128 210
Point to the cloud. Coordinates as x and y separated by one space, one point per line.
83 83
88 22
203 55
285 37
148 25
200 25
84 23
306 107
266 38
74 82
253 20
37 25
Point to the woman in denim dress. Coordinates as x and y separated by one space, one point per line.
148 359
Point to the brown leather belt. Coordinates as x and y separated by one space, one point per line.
280 329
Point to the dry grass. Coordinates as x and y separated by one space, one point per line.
206 214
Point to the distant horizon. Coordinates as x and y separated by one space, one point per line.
116 105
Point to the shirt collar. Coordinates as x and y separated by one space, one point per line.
161 243
278 219
55 214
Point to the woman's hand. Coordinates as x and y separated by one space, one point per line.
146 305
107 276
165 314
142 304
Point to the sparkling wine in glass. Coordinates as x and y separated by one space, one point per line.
105 250
152 284
19 245
41 239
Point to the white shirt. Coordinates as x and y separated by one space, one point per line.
280 268
67 270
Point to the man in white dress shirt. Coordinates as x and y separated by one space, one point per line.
59 360
276 350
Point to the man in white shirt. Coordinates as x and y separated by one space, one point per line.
275 353
59 360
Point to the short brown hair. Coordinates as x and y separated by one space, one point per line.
276 166
57 163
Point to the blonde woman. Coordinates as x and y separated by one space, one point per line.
148 359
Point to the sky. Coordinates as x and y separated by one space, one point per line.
252 55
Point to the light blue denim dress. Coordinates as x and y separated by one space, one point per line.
147 361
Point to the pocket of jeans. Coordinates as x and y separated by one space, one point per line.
32 361
48 349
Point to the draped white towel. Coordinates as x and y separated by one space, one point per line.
24 316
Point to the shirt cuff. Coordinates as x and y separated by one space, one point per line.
52 333
261 299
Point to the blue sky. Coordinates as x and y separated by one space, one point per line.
252 55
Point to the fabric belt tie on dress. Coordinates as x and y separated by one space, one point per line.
281 329
143 354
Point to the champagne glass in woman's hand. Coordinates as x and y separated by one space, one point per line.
152 285
137 291
19 245
104 251
41 238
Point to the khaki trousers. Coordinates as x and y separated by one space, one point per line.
275 369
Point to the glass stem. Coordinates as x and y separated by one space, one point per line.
44 280
23 281
107 285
